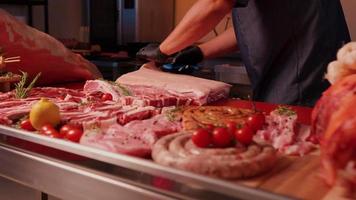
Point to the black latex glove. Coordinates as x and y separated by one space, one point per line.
185 61
152 52
191 55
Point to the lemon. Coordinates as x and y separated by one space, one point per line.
44 112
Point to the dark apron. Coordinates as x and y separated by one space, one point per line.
286 46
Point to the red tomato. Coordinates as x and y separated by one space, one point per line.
26 125
74 135
231 127
55 135
244 135
202 138
65 128
48 130
222 137
256 121
106 97
209 127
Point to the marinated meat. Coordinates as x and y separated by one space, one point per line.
177 150
339 128
198 117
200 91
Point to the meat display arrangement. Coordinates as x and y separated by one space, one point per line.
113 116
163 120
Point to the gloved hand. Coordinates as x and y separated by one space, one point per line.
185 61
152 52
191 55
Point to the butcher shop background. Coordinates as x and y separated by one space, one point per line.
71 12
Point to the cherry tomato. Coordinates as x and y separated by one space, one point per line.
256 121
65 128
48 130
26 125
74 135
56 135
231 127
244 135
209 127
222 137
106 97
202 138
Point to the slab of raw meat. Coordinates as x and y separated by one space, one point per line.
150 80
40 52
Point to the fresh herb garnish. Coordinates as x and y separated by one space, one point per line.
285 110
173 114
21 91
123 90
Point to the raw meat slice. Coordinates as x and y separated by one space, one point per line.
201 91
40 52
135 138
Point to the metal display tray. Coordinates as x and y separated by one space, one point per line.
98 174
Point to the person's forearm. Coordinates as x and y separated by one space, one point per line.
222 44
200 20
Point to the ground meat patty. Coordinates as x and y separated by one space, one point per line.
198 117
177 150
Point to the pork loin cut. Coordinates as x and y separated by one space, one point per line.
200 91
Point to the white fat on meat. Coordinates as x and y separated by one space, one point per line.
285 134
201 91
95 86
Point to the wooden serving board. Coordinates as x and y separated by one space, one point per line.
293 176
297 177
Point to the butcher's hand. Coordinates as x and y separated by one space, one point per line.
185 61
151 52
191 55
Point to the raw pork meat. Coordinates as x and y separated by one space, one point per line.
138 96
40 52
284 134
135 138
200 91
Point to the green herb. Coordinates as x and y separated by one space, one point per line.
173 114
8 74
21 91
123 90
285 110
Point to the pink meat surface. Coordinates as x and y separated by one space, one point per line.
151 82
136 95
284 134
135 138
41 52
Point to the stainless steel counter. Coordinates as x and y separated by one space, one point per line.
73 171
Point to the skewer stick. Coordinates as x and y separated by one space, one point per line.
11 61
12 58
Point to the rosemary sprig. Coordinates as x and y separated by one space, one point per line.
285 110
173 114
21 91
123 90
